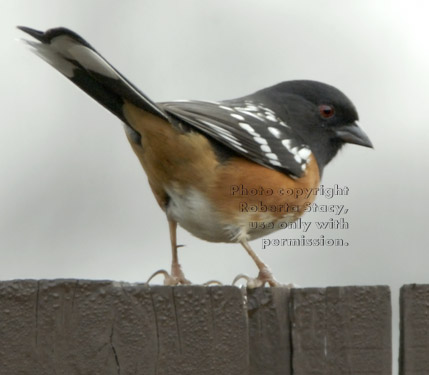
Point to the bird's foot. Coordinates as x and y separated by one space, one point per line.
175 278
264 276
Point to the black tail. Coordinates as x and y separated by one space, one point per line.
75 58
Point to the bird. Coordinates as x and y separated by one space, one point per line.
215 166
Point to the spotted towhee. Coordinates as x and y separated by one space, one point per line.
202 158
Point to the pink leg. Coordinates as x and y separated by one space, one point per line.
176 277
264 276
176 269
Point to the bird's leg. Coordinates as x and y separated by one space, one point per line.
264 276
176 269
176 277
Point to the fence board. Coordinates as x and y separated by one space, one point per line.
269 331
414 344
341 330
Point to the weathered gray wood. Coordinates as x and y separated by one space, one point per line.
87 327
102 327
269 331
18 316
341 330
414 344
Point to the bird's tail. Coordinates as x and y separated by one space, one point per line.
75 58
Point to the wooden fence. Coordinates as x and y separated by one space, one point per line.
102 327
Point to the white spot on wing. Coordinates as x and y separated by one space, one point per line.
304 153
274 131
275 162
265 148
270 117
260 140
272 156
294 151
248 128
286 143
238 117
298 154
226 108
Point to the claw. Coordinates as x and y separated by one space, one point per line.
252 282
212 282
239 277
265 276
170 280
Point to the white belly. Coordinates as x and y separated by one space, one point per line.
193 212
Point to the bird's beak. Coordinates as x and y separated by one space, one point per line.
352 133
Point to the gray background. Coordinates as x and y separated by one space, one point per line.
75 202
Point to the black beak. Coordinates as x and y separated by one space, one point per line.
352 133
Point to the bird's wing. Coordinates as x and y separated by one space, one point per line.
251 129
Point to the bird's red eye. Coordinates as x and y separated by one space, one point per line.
326 111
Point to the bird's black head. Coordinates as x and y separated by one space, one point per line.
321 114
